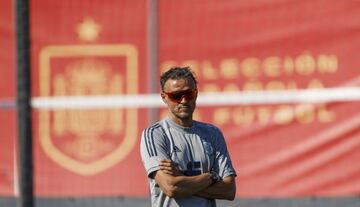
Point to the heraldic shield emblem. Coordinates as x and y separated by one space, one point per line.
88 141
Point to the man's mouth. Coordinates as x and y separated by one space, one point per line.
184 108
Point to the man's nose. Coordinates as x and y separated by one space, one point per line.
183 99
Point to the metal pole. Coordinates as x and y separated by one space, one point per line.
23 104
152 49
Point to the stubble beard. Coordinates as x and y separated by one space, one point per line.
184 116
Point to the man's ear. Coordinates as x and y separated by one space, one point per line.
163 97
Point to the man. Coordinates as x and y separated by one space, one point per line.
186 161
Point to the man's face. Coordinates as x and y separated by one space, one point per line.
180 96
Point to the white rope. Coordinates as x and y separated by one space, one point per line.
204 99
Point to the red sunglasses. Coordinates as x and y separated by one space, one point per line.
178 96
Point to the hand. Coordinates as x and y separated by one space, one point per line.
170 167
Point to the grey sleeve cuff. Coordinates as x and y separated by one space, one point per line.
229 173
152 170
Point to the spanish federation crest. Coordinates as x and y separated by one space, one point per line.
88 141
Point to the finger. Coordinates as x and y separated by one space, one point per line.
166 168
165 160
168 172
165 164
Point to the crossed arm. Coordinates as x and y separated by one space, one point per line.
174 184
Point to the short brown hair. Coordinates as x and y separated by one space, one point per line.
177 73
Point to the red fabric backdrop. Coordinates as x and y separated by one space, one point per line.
7 96
278 150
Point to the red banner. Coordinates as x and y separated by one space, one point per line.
88 48
7 99
277 150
